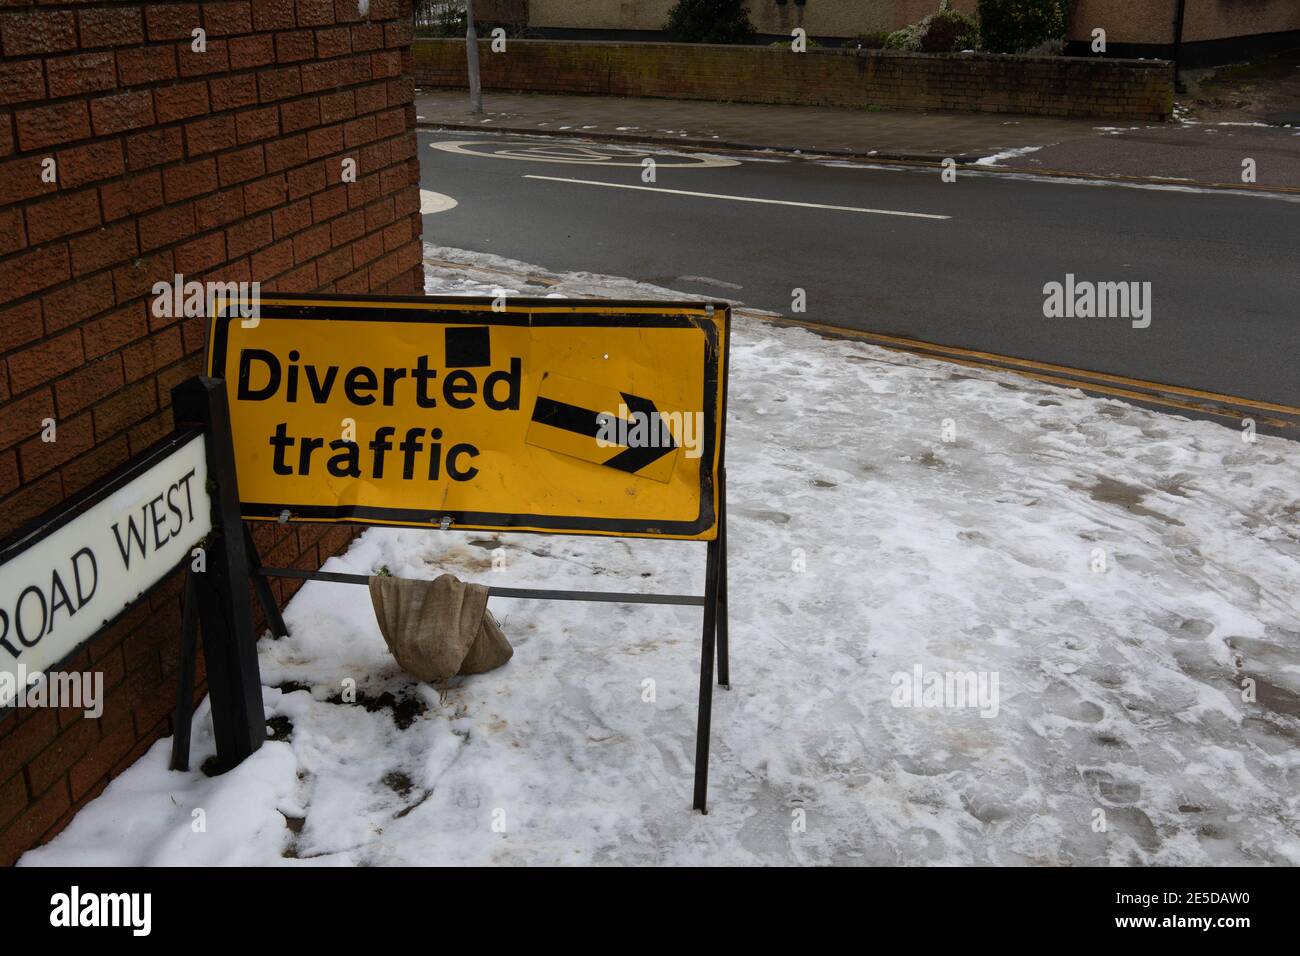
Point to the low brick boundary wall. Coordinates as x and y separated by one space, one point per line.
1050 86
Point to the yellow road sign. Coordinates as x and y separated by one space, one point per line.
577 416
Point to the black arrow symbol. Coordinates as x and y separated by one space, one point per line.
594 424
661 439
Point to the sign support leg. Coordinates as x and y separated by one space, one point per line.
706 676
724 664
225 610
265 596
185 676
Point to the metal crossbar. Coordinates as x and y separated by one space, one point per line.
538 594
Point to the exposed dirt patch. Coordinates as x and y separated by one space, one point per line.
1244 92
294 825
279 728
1129 497
398 782
406 708
1278 699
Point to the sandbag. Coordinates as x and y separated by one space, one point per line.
440 628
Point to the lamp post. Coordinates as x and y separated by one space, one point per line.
471 56
1179 12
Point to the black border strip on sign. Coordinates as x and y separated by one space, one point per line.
519 314
46 524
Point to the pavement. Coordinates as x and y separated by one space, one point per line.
896 251
1191 149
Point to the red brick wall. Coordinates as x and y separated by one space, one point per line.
222 165
1053 86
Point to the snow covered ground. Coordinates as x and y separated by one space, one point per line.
1123 575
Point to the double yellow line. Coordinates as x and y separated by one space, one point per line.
1217 404
1285 418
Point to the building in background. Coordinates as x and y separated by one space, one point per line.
834 21
1213 31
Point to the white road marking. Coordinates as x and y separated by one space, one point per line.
996 158
707 281
772 202
431 202
994 172
580 154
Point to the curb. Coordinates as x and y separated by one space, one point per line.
922 159
1282 420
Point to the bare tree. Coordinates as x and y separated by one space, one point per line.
471 55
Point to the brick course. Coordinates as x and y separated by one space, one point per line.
860 79
221 165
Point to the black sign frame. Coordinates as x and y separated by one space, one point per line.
714 639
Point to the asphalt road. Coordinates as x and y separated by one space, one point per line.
1223 268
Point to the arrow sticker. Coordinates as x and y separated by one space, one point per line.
603 426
